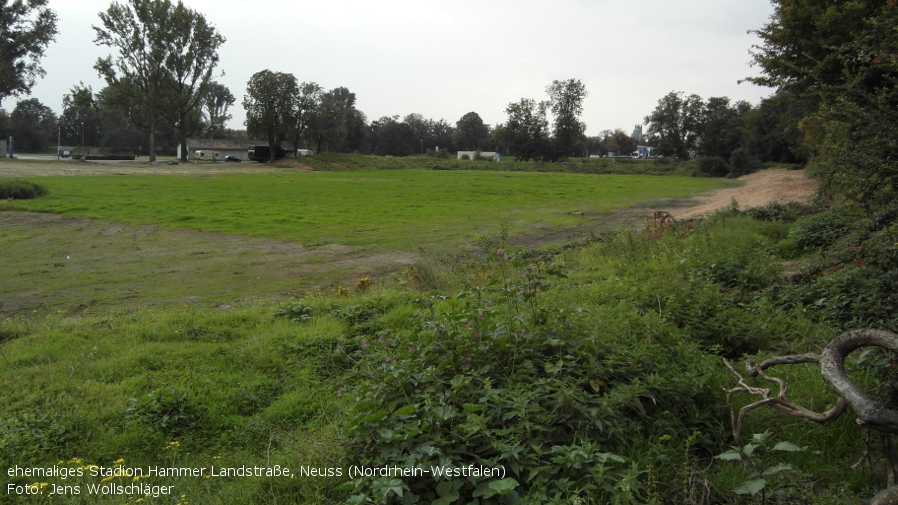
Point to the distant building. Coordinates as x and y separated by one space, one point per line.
221 148
483 154
644 151
637 133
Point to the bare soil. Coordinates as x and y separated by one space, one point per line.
69 262
759 189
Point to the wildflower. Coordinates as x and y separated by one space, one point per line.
476 335
365 345
499 251
470 325
387 360
464 362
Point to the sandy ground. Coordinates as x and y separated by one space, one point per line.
759 189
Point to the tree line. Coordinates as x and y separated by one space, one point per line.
161 89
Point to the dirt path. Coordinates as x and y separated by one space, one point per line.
759 189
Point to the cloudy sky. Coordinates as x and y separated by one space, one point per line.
443 59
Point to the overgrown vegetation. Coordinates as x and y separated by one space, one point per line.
21 190
587 374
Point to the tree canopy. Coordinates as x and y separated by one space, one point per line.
166 55
27 28
269 102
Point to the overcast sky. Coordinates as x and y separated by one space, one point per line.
443 59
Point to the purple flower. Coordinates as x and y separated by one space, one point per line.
470 325
365 345
464 362
387 360
476 335
499 251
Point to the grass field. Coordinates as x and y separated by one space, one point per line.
137 240
396 209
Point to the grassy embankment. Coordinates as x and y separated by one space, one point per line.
613 346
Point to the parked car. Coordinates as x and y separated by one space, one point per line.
232 158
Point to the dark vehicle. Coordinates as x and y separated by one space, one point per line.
232 158
262 154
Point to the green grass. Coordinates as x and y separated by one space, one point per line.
372 209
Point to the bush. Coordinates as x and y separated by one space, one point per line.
819 231
494 378
742 163
21 190
715 166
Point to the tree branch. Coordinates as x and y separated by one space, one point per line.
870 414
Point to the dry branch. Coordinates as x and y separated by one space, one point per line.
870 413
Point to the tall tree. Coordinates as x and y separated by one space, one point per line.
269 102
80 117
844 55
33 125
674 123
720 126
193 57
526 132
327 127
420 128
26 29
566 102
392 137
216 101
118 130
302 113
471 134
166 57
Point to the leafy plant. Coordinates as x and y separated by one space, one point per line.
21 190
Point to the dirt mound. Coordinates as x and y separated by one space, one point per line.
759 189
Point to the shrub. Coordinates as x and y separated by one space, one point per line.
821 230
21 190
742 163
715 166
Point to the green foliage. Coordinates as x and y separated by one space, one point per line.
28 28
169 410
821 230
21 190
742 163
761 472
715 166
496 377
776 211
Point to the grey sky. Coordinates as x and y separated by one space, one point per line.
443 58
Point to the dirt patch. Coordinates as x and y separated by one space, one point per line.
28 168
758 189
754 190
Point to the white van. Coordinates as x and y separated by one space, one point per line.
205 155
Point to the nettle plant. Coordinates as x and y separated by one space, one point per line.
494 377
764 474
